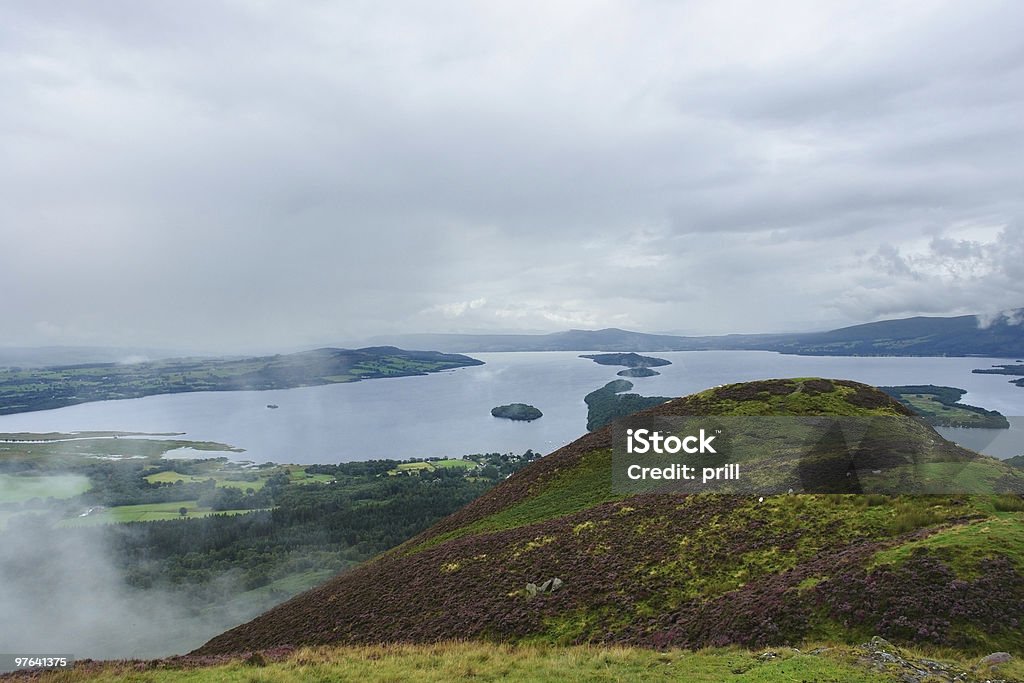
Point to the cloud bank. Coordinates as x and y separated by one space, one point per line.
255 175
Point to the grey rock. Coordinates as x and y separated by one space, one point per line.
995 658
883 656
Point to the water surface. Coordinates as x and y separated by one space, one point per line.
448 413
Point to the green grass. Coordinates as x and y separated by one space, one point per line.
222 479
1008 503
299 475
585 485
981 476
798 402
171 477
430 465
232 477
455 464
815 519
412 467
456 661
963 546
147 513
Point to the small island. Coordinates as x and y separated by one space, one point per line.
517 411
628 360
1012 369
637 372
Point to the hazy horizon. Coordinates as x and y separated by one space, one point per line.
32 355
229 178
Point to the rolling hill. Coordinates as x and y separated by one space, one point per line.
919 336
27 389
554 555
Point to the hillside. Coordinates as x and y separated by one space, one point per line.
686 571
919 336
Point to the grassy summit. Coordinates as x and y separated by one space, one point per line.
689 571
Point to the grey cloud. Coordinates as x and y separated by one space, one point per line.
971 275
244 176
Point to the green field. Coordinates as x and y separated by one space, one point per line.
430 465
230 475
147 513
299 475
225 476
55 460
219 476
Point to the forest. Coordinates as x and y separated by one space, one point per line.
266 532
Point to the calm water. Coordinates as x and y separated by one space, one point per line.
448 413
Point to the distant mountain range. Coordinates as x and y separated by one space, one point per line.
920 336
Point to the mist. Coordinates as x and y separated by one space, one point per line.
61 592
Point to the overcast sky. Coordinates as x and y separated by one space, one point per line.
241 175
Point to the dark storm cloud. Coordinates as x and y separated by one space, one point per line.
252 175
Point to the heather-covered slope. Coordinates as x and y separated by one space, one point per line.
669 570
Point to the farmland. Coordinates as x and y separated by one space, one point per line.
151 512
29 389
432 465
940 406
223 538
